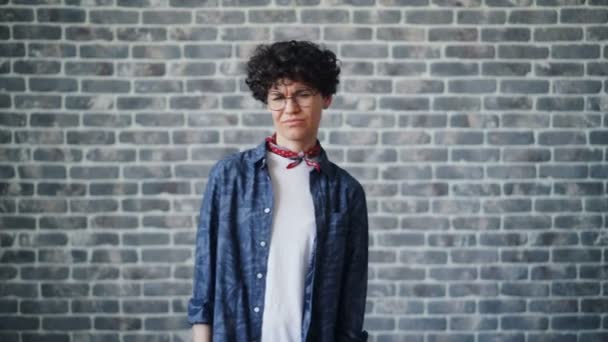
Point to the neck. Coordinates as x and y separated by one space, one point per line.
296 145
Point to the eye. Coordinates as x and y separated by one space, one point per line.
304 94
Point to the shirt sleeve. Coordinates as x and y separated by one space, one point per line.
354 285
200 305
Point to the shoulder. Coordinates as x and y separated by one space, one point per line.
346 181
233 164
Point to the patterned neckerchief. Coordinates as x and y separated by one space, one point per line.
311 157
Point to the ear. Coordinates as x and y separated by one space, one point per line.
327 101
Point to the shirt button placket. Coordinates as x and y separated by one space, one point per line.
260 275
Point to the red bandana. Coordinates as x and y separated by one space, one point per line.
310 156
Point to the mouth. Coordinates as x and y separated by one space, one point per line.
293 122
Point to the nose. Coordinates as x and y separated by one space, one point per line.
291 106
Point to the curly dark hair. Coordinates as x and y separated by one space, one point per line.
301 61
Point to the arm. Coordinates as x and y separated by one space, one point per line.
201 333
354 283
200 306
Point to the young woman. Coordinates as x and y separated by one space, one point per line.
282 243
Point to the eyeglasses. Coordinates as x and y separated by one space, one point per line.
304 98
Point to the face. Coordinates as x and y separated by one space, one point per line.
296 124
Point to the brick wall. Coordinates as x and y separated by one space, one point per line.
478 129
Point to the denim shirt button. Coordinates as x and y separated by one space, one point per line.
259 275
256 309
267 210
263 243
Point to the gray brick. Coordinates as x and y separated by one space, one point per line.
426 222
524 256
428 17
364 50
347 33
416 52
299 33
94 172
596 33
19 323
167 288
91 273
101 306
470 51
364 155
244 33
418 86
88 33
585 51
373 16
404 104
473 323
453 34
575 322
561 138
457 103
156 52
556 337
320 16
35 32
583 15
143 70
434 324
578 154
515 34
117 323
504 273
522 52
367 86
451 307
403 3
453 274
422 154
553 306
219 17
416 120
472 86
476 223
406 172
369 120
496 306
558 34
553 272
64 290
559 104
507 337
481 17
470 289
17 15
357 68
457 3
400 273
272 16
454 69
100 51
533 17
558 69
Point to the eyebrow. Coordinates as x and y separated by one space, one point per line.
277 92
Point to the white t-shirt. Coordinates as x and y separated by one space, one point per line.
291 246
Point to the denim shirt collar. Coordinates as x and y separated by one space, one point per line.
258 156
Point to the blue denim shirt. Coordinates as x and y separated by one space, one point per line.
232 244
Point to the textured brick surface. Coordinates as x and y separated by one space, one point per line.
478 129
